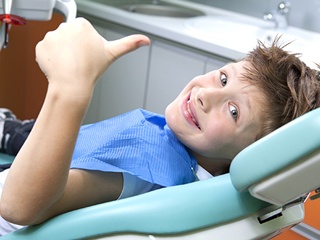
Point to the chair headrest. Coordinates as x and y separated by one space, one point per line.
276 151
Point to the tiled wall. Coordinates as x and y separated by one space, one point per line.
304 13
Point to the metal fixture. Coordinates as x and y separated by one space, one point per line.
7 20
17 12
279 16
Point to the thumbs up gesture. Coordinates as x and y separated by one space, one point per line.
75 55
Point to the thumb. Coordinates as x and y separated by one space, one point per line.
119 47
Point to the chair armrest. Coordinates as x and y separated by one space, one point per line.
166 211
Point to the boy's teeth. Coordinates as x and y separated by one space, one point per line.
188 108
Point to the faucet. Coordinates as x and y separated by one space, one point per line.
279 16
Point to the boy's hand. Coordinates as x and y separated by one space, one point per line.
75 55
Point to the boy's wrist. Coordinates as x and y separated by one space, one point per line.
71 94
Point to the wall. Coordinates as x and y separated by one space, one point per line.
303 14
22 84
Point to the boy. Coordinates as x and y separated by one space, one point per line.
214 117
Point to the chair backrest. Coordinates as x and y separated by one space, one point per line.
284 165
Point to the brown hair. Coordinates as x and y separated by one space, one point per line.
289 86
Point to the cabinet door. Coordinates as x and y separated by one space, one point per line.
121 88
93 110
171 68
214 63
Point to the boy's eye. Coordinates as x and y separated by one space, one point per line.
234 112
223 79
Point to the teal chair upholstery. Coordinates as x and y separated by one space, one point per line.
6 159
262 196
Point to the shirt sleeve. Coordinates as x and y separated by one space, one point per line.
133 185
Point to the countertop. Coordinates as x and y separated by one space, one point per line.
229 44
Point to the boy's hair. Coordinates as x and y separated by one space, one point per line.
289 86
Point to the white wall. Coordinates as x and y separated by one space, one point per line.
304 13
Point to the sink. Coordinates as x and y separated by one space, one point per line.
241 34
162 10
153 8
224 31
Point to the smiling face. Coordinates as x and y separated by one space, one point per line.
217 114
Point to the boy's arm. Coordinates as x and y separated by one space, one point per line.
39 184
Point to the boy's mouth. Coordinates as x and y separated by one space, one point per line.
192 115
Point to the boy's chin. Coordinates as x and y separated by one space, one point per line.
168 111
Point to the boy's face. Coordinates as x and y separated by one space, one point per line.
217 114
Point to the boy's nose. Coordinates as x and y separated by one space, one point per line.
207 98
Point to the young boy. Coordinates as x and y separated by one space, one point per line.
214 117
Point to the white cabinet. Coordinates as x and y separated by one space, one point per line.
171 68
121 88
214 62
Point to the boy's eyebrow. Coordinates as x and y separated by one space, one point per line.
248 104
228 64
247 100
235 73
233 68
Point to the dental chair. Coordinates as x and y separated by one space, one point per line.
262 196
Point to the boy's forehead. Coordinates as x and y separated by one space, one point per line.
236 67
